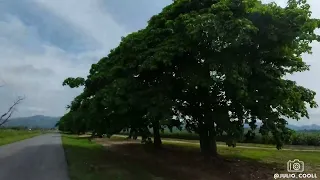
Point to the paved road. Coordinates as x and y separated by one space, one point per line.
38 158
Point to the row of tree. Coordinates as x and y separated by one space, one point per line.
208 65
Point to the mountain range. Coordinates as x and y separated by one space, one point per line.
295 127
304 127
47 122
38 121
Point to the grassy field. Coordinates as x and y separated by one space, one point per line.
89 160
240 145
119 159
8 136
304 138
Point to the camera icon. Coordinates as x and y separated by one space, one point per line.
295 166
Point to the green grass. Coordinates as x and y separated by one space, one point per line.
8 136
302 138
88 160
265 154
278 157
262 153
240 145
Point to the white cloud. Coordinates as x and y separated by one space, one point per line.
89 17
32 67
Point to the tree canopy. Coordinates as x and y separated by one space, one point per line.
214 64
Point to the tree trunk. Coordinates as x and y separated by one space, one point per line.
130 134
213 141
92 136
156 134
208 144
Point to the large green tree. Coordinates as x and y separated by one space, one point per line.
215 64
119 94
229 60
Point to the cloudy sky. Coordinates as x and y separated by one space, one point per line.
44 41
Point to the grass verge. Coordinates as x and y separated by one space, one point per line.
240 145
8 136
119 159
269 156
89 160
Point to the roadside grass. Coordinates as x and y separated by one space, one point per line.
88 160
240 145
120 159
266 154
271 156
8 136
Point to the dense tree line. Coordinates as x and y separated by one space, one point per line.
215 65
302 138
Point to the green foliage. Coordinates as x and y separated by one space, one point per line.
214 64
308 139
74 82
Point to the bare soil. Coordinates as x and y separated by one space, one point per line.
179 163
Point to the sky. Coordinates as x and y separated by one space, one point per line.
44 41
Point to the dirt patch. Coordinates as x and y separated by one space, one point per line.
186 164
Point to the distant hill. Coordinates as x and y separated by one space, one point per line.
304 127
296 128
47 122
37 121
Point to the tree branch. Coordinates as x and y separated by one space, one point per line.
4 118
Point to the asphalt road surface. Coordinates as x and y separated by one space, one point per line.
38 158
